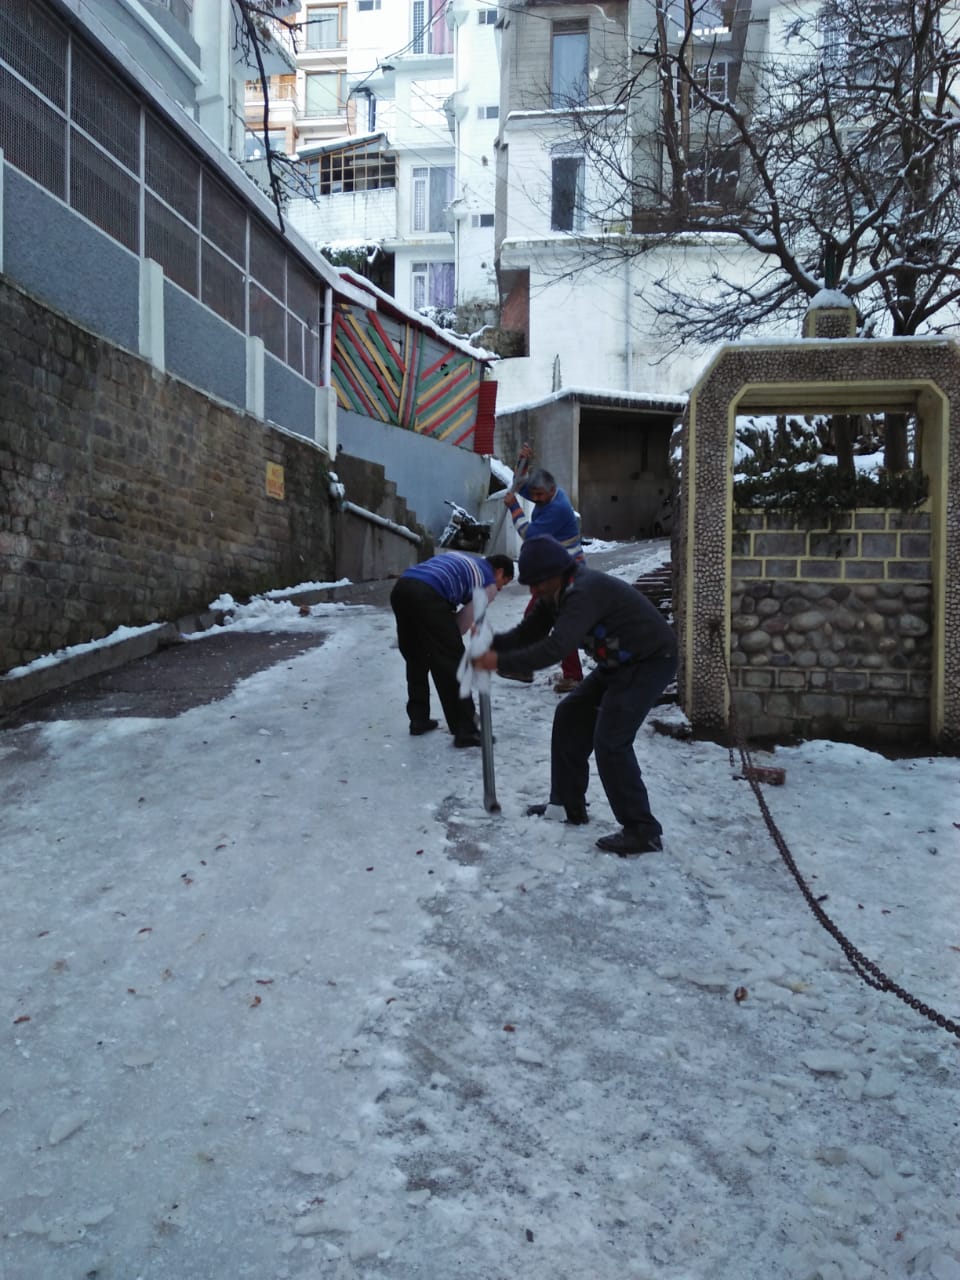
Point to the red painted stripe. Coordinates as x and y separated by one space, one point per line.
445 389
359 350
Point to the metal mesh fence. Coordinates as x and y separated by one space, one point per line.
33 135
294 343
224 220
222 286
267 321
169 241
104 110
172 171
34 44
267 260
171 191
104 193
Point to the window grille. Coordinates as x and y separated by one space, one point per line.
33 136
267 321
172 173
224 220
222 286
171 242
35 45
104 110
104 193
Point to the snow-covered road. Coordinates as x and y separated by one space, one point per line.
282 1000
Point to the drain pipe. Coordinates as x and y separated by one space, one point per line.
338 492
382 521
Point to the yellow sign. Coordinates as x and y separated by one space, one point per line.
274 480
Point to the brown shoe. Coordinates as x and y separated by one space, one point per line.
565 685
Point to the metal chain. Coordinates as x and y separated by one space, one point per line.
866 969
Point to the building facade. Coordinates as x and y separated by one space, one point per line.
401 172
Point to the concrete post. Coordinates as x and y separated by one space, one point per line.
152 341
255 377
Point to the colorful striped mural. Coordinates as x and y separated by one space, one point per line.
397 372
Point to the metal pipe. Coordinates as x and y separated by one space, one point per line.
384 523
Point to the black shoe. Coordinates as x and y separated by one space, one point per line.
630 841
576 814
469 739
422 726
512 675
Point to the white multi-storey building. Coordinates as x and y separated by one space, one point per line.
572 300
411 169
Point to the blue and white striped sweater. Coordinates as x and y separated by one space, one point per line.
454 574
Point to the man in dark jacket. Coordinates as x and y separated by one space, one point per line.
635 650
433 606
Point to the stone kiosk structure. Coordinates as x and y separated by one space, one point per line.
851 630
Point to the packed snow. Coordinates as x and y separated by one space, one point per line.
283 1001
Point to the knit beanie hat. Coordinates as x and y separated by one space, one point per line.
542 557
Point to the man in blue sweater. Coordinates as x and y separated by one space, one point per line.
433 606
553 513
635 650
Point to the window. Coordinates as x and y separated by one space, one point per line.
430 31
712 78
253 148
326 26
432 193
712 176
568 65
351 169
481 220
487 17
367 4
324 95
567 193
432 285
488 113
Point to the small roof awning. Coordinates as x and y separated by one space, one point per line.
368 143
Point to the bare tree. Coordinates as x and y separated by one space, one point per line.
259 28
831 156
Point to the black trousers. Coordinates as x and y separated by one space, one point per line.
602 717
431 645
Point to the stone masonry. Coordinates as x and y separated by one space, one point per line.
127 497
831 628
849 630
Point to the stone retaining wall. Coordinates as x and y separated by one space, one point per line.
127 497
831 628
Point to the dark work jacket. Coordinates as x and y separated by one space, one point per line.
611 619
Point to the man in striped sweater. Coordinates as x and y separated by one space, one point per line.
433 605
553 513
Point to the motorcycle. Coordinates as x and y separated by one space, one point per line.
463 531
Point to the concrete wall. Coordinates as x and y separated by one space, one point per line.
425 471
